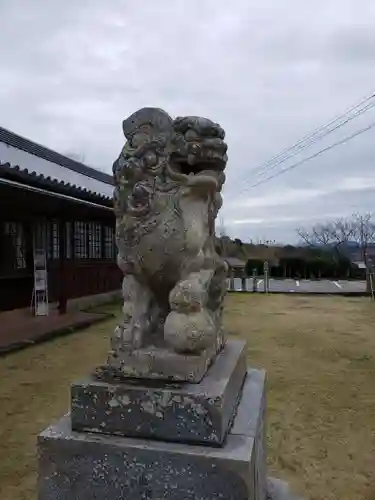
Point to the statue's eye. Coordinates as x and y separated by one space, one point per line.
151 159
191 135
138 139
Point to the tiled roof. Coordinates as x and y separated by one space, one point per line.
33 148
24 176
235 262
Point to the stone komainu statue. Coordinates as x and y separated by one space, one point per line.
168 179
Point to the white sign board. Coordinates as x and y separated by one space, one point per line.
39 259
40 293
40 276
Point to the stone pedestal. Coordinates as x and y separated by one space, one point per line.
182 412
82 466
153 440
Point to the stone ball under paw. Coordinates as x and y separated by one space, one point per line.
187 296
189 333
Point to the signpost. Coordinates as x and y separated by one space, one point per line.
40 292
255 288
266 277
370 281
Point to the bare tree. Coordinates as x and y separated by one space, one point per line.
334 234
342 231
223 240
320 234
81 158
364 232
337 233
221 228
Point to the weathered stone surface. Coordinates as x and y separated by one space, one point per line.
168 178
198 413
160 363
251 420
84 466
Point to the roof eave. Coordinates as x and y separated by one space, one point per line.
32 179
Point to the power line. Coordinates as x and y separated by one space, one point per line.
314 136
318 130
313 140
338 143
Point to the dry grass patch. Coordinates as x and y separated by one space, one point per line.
319 353
34 391
320 356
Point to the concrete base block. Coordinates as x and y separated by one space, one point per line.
83 466
196 413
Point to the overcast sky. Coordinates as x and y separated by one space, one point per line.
269 71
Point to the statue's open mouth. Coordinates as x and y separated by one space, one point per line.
199 165
195 165
198 157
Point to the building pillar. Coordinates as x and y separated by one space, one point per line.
243 281
102 241
63 299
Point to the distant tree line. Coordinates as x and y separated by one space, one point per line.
325 251
322 265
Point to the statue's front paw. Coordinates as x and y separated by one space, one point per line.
116 338
189 333
125 338
121 339
187 296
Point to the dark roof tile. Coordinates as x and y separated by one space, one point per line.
234 262
15 173
33 148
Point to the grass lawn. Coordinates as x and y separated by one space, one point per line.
320 356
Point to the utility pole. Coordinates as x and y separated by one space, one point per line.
255 288
266 277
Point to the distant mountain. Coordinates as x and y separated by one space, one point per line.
351 244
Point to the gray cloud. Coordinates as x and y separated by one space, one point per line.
269 72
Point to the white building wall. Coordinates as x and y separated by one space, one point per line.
32 162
